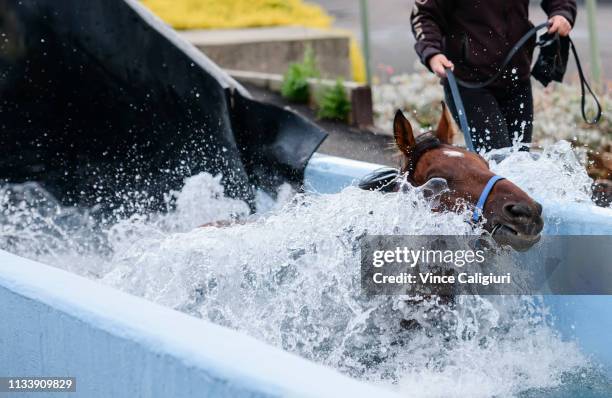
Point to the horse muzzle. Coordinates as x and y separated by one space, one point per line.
519 226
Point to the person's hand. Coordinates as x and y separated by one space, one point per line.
438 64
560 25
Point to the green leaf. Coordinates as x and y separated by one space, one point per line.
334 103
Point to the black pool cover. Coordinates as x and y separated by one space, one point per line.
100 101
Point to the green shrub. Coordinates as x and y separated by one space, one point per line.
295 82
334 103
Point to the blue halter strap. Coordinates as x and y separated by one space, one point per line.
483 198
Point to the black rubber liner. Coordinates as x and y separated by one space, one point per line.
100 101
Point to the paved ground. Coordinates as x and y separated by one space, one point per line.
392 41
343 140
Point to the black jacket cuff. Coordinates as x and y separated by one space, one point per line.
427 54
566 14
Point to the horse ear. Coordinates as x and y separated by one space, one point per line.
446 126
402 131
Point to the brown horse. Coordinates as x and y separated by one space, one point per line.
512 217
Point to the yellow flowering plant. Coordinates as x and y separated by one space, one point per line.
214 14
228 14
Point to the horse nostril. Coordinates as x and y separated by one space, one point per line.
515 210
538 208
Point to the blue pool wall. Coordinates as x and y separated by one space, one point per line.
55 323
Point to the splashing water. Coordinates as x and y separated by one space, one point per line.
552 176
290 277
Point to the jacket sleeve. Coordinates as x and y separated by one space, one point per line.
565 8
427 20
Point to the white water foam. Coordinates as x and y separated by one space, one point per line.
556 175
290 277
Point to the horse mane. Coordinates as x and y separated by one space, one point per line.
424 143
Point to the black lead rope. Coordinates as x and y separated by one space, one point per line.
453 83
583 84
519 44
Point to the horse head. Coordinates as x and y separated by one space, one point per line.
512 217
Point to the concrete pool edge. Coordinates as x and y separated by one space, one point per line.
59 324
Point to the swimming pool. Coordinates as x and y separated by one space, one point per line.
285 279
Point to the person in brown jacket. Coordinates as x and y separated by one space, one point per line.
472 37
